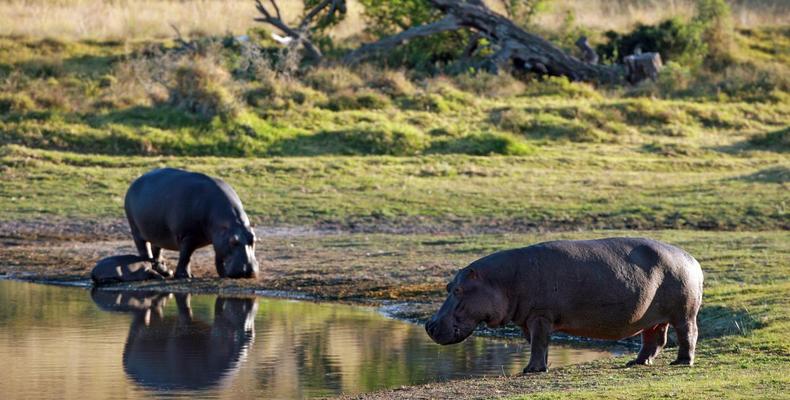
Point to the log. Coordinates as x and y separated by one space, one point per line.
641 66
517 48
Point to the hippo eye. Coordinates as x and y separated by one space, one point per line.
457 291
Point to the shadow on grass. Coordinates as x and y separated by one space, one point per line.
718 321
161 117
776 174
777 141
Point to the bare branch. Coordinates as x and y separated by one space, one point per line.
447 23
301 34
276 9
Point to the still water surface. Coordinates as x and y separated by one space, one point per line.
61 342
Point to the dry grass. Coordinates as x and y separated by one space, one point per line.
145 19
622 15
141 19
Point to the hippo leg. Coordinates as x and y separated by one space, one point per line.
219 263
539 332
159 264
653 340
143 247
687 341
186 246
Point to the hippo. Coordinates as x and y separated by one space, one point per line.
125 268
179 210
606 289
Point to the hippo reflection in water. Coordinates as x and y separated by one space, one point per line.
181 352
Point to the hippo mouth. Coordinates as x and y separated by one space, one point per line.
444 337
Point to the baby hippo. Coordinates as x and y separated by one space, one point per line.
607 289
125 268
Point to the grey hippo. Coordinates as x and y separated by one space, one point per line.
607 289
179 210
124 268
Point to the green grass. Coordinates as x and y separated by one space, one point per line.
141 98
568 187
379 149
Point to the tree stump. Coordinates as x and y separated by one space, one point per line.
639 67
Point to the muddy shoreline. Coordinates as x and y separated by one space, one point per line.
403 276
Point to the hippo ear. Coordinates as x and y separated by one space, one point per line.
472 274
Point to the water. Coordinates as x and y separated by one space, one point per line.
61 342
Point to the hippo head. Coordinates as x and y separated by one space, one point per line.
471 299
234 249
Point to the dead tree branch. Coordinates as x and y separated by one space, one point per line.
300 36
448 23
521 49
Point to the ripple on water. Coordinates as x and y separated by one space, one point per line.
72 343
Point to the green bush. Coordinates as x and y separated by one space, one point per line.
199 88
425 54
16 103
391 139
674 39
422 101
332 79
363 99
482 144
540 124
391 82
715 19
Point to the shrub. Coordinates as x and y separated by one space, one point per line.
539 124
481 144
426 102
385 18
364 99
15 103
650 112
199 88
391 82
674 39
391 139
715 19
332 79
282 92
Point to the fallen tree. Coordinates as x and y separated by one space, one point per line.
515 48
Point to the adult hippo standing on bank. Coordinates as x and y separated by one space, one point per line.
608 289
179 210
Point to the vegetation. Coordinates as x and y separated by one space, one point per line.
422 142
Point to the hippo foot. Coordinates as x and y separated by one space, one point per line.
682 361
183 275
530 369
639 362
161 269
